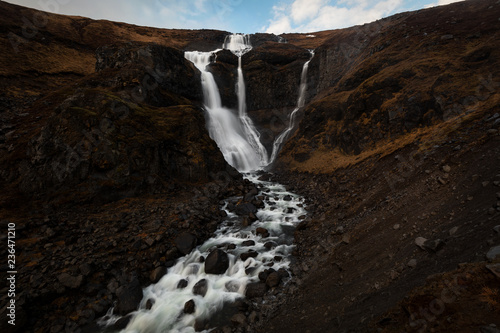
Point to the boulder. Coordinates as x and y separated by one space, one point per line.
189 307
129 297
257 289
185 242
201 288
217 262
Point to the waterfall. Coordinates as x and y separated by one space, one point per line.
235 135
278 142
224 127
239 45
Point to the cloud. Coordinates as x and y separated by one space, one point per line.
316 15
441 3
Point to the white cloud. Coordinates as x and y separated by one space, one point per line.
441 3
305 9
316 15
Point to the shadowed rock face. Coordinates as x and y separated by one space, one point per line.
131 127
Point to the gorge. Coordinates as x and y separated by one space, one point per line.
131 154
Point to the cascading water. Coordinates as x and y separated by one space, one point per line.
239 45
281 212
224 127
249 252
278 142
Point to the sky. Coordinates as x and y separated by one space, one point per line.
238 16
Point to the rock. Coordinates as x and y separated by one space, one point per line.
453 231
287 198
257 289
441 181
446 168
492 131
85 269
239 319
189 307
493 254
346 239
201 288
419 241
217 262
433 245
129 297
182 284
412 263
248 243
446 37
69 281
246 208
157 274
396 227
263 232
489 329
494 268
497 229
185 242
273 280
339 230
249 254
485 183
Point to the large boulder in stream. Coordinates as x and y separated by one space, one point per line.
217 262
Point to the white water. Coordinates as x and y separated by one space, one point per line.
166 315
239 45
239 142
224 127
278 142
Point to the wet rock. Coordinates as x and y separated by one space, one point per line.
245 209
249 254
122 323
185 242
217 262
248 243
493 254
257 289
263 232
270 245
182 284
287 197
69 281
129 297
189 307
201 288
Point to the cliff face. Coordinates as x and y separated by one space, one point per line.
96 107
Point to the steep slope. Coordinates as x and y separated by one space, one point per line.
374 83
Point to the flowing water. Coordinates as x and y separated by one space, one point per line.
278 142
162 308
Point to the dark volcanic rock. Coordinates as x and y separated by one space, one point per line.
129 297
189 307
200 288
217 262
256 290
185 242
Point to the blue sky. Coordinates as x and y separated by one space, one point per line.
246 16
